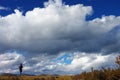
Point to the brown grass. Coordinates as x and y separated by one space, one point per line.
103 74
35 78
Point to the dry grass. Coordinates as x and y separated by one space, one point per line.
35 78
103 74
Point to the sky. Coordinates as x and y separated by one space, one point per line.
58 36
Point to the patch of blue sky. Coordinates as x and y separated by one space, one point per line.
65 58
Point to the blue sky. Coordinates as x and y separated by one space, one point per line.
58 37
100 7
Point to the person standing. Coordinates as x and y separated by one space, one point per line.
20 68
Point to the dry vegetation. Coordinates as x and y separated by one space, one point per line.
103 74
35 78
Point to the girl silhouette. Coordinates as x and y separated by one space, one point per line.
20 68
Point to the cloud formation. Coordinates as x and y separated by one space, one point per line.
43 64
9 62
57 28
3 8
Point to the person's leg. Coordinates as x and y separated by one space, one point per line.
20 72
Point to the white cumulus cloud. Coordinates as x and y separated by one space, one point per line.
57 28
